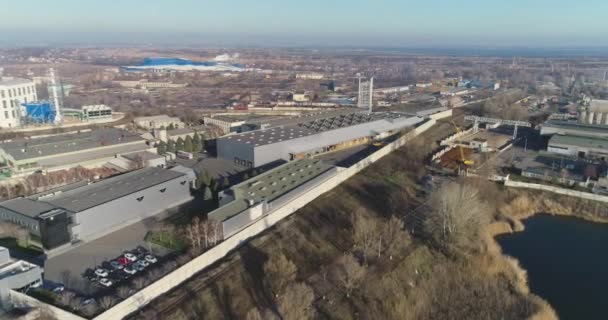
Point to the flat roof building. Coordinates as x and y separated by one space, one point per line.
158 122
13 93
17 274
563 127
289 142
83 212
251 200
579 146
68 150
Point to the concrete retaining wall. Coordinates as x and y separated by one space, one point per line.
566 192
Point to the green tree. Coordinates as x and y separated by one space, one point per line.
197 143
161 148
245 177
188 145
179 145
226 182
170 127
171 146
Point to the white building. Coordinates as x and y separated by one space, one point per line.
14 92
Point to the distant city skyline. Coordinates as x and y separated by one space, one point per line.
441 23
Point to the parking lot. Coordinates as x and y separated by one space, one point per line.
67 268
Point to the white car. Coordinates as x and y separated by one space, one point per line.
105 282
101 273
129 270
150 258
131 257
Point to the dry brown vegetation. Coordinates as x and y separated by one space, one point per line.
362 251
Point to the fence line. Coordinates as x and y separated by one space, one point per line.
562 191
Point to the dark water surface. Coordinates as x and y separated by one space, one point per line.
567 263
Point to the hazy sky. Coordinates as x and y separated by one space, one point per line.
342 22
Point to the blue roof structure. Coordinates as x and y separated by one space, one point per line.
184 64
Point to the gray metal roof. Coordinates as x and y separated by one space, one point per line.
21 149
27 207
271 185
570 125
587 142
283 133
143 155
113 188
305 117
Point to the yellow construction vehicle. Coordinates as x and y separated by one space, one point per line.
463 160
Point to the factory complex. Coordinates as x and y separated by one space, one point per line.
86 211
62 151
308 137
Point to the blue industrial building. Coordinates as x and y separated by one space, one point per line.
161 63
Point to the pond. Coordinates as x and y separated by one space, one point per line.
567 263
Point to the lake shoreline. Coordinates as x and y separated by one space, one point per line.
526 204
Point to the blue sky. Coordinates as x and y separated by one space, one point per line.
382 22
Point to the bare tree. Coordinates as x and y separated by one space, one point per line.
66 297
365 233
139 283
123 292
347 272
456 215
279 272
253 314
107 302
296 302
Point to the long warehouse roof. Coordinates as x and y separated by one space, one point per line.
94 194
283 133
21 149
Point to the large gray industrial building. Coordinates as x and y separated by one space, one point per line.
63 151
251 200
294 141
84 212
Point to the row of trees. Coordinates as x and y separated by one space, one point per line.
189 144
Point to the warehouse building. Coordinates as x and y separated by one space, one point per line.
158 122
563 127
582 147
64 151
289 142
84 212
251 200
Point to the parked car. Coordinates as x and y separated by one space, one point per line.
143 262
123 261
101 272
129 270
116 265
106 265
89 274
58 289
88 301
141 251
138 266
131 257
151 259
105 282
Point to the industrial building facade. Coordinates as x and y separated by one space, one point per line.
85 212
249 201
582 147
64 151
257 148
13 93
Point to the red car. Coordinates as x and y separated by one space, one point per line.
124 261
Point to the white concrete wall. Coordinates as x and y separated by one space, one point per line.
562 191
